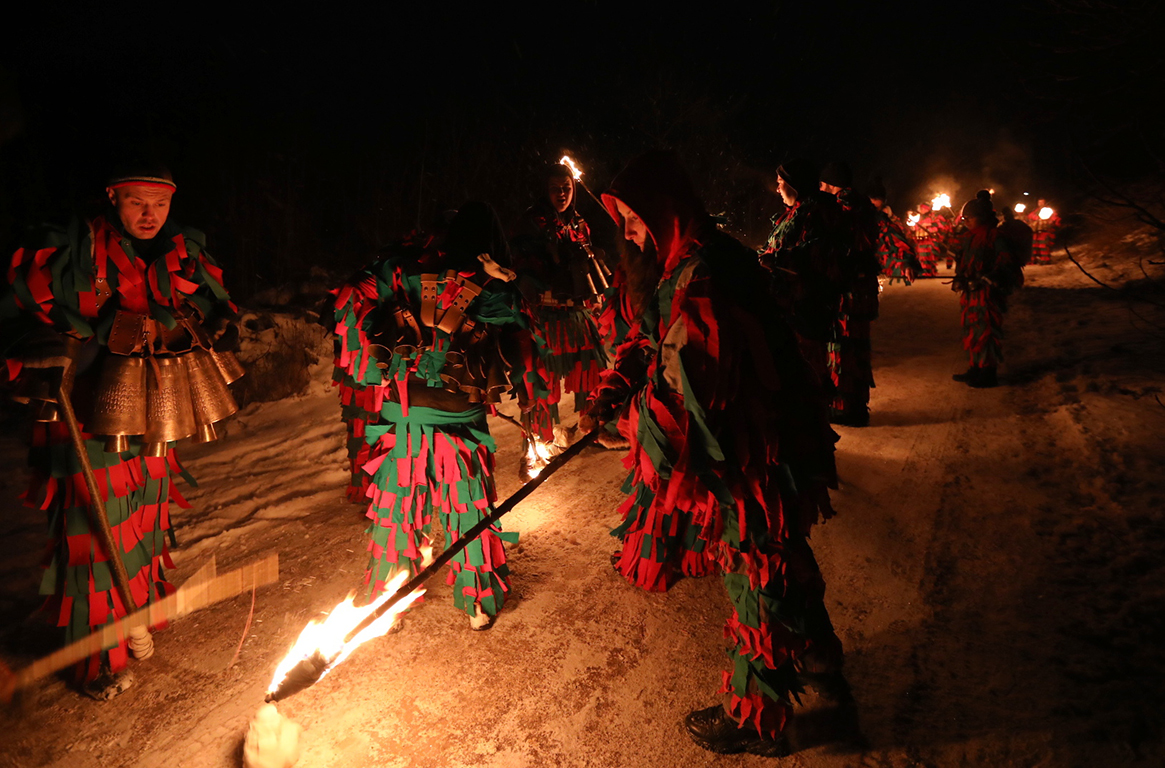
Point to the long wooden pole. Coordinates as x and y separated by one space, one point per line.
309 670
97 516
464 541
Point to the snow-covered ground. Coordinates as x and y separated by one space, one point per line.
996 573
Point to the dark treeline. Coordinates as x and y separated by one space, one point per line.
309 142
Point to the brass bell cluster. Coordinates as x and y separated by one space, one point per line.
161 398
160 385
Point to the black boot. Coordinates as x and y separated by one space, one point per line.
714 730
970 375
986 378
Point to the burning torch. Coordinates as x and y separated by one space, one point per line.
1046 213
315 656
597 266
1020 207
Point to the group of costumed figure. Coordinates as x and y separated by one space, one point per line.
717 368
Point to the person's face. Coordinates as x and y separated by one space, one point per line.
830 188
1042 203
561 191
633 227
142 209
879 203
788 194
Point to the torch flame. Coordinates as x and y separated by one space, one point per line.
539 454
1020 207
574 169
912 218
942 200
325 639
1046 213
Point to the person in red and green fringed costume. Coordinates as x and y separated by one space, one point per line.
930 233
444 339
731 454
1044 222
558 274
850 352
65 290
805 254
897 252
986 273
359 404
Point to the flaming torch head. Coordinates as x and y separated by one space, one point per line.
322 645
940 201
1046 213
912 218
574 169
1020 207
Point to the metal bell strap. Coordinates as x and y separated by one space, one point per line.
460 292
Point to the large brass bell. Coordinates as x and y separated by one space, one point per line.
232 370
211 399
168 408
119 398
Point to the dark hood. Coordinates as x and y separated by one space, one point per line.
474 230
658 189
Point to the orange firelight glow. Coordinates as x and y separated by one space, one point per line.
574 169
941 200
1020 207
912 219
539 454
327 637
1046 213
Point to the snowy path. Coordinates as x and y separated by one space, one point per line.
976 572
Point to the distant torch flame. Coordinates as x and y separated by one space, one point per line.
941 201
991 191
1020 207
912 219
325 639
1046 213
574 169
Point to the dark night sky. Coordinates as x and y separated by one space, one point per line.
300 139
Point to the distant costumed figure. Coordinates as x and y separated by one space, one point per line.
1019 237
445 336
123 309
731 454
804 253
930 233
563 280
986 273
850 354
896 249
359 404
1044 225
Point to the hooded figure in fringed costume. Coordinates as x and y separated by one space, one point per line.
897 252
359 404
985 275
850 353
445 339
112 304
805 253
557 273
731 453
